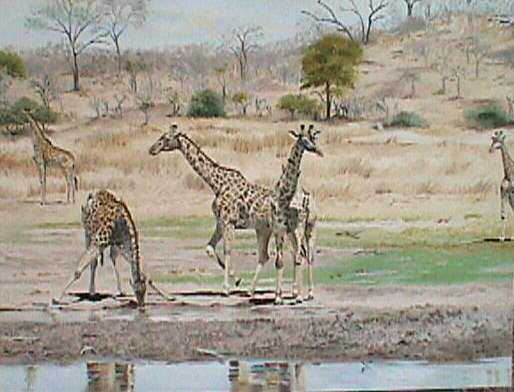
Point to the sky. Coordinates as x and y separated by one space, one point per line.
172 22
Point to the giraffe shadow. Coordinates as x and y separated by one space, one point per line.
85 296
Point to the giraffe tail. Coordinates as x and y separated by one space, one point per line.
76 183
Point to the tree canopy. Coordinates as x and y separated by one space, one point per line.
12 65
330 63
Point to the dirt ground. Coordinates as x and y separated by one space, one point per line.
442 323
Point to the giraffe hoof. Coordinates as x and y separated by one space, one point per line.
238 282
298 300
310 297
278 300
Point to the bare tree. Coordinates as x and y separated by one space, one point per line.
479 50
120 100
410 6
78 20
242 42
46 88
442 65
119 15
458 73
221 78
365 20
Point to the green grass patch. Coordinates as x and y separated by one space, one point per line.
407 120
415 266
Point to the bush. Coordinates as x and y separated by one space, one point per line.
298 104
12 64
12 117
206 103
407 120
489 116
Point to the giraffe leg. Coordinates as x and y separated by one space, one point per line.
114 253
310 263
228 238
279 266
297 266
85 260
503 208
41 174
94 264
263 237
210 249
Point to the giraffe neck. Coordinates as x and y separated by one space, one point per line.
211 172
39 139
288 182
508 164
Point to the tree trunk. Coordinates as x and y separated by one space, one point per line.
477 64
118 54
76 85
329 100
410 6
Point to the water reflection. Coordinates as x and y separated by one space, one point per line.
254 376
110 377
266 377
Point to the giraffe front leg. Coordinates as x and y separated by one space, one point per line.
40 172
94 264
87 258
228 238
503 208
114 254
297 272
263 236
279 266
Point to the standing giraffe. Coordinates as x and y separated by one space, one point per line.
238 204
108 223
507 184
285 219
46 154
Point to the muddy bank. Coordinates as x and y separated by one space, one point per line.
437 334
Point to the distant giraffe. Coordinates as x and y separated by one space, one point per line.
46 155
284 220
238 204
507 184
108 223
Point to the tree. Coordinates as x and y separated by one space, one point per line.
221 77
242 43
119 15
12 65
13 117
242 100
374 13
46 88
330 64
410 6
78 20
479 50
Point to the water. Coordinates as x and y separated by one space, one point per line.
253 375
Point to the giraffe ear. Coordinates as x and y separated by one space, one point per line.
173 129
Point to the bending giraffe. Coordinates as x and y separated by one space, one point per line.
46 155
238 204
109 223
507 184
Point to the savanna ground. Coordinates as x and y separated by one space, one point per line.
401 269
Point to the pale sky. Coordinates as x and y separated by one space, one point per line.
172 22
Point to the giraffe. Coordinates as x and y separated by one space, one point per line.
284 220
238 204
46 154
303 221
507 184
108 223
87 218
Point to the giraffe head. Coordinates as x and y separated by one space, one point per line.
308 139
497 141
169 141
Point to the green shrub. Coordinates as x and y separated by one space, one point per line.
489 116
13 118
407 120
12 64
298 104
206 103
